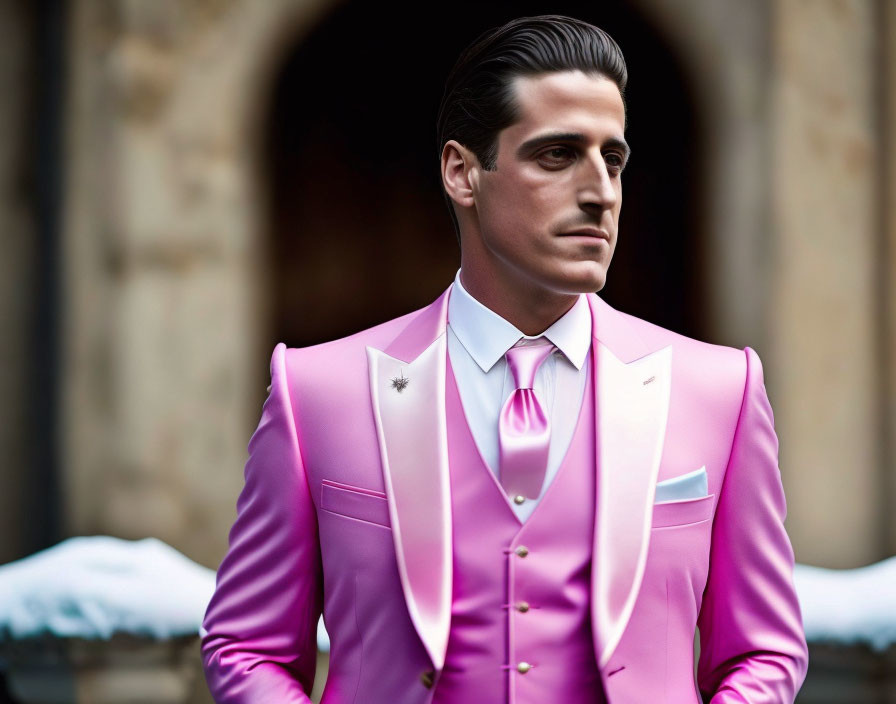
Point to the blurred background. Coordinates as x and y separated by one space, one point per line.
185 183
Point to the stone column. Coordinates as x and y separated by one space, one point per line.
824 373
165 342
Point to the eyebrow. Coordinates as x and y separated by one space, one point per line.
576 137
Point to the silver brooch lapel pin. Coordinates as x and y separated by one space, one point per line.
399 384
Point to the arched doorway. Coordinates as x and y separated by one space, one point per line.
359 229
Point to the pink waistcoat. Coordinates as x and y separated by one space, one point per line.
520 591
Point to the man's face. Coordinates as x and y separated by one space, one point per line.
549 213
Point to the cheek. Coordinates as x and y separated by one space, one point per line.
503 207
554 195
521 203
520 196
538 202
522 189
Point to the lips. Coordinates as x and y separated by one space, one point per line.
589 232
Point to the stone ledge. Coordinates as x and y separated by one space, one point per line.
125 669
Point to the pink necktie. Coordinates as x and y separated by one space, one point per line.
523 427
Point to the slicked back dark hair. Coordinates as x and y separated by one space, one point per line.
478 101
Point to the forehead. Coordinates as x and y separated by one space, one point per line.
567 101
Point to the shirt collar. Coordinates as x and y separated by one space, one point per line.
487 336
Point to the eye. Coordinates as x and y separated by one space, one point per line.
615 161
556 157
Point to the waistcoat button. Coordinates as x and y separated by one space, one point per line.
519 499
522 606
522 551
523 668
427 677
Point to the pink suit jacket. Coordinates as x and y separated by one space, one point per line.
345 508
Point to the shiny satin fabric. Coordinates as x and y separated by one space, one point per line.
415 461
524 431
722 561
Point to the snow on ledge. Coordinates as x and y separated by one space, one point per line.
94 586
849 606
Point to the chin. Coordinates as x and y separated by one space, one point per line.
583 280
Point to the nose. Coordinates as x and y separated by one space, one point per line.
596 189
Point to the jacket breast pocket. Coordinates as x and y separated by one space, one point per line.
671 514
355 502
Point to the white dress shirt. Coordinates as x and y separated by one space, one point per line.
477 340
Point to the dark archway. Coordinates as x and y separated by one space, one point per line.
360 232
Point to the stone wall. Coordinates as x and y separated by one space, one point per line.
164 371
827 363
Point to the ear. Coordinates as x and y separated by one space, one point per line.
460 173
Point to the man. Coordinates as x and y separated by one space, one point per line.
516 494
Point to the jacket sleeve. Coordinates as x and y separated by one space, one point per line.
752 645
259 631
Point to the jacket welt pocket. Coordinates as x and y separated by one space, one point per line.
354 502
667 514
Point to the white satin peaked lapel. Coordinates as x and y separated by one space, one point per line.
413 441
632 409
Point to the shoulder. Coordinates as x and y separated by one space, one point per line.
334 368
346 349
710 370
715 386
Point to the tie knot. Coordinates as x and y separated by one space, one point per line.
525 359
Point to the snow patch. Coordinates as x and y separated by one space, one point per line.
849 606
94 586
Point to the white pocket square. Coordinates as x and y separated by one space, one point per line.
692 485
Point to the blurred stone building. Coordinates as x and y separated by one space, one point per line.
184 183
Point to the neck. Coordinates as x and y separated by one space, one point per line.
529 308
